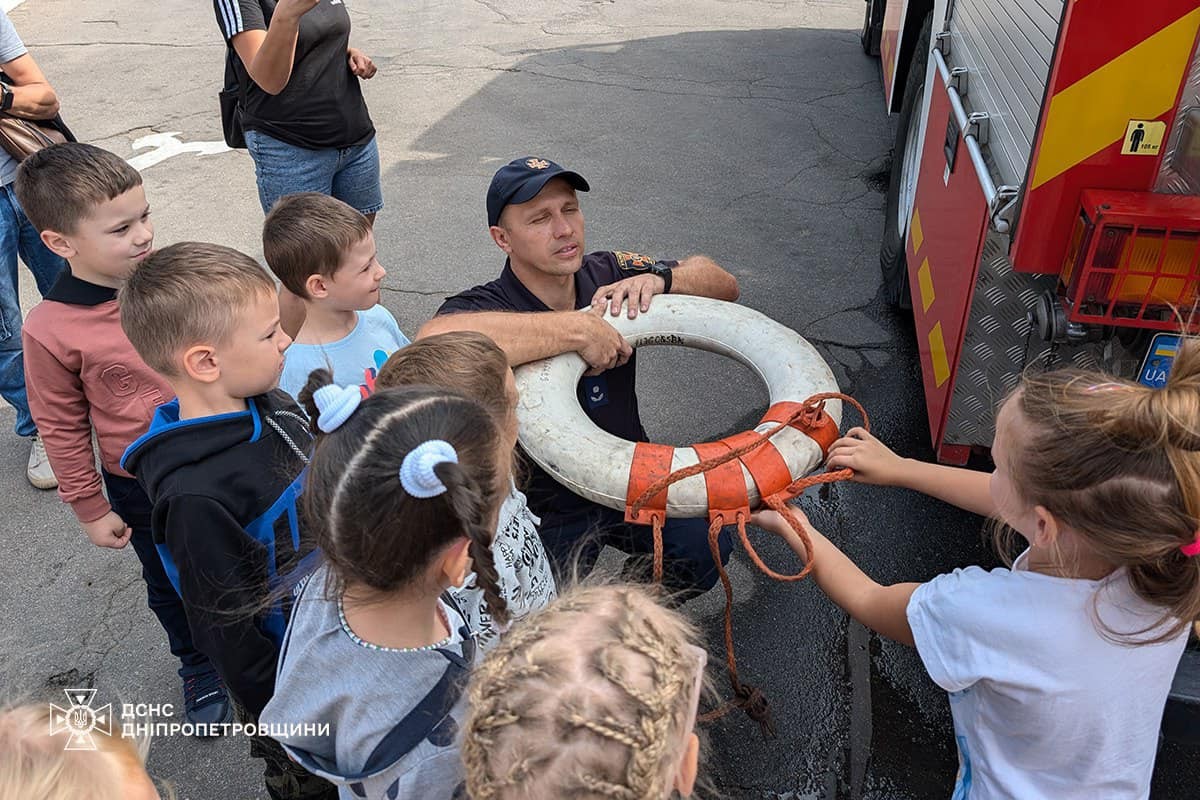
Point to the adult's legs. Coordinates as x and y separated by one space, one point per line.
688 566
12 366
356 182
574 545
283 168
19 237
45 265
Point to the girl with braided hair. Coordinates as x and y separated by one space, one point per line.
42 757
594 698
402 495
1059 667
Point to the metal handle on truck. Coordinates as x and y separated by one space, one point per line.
999 200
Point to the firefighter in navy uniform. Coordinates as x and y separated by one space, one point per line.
532 312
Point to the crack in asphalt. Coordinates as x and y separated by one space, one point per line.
175 45
492 8
421 292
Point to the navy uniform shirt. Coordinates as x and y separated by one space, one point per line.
609 398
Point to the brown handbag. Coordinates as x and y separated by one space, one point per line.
21 138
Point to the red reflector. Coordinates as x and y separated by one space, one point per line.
1134 260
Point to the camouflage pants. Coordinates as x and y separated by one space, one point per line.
285 779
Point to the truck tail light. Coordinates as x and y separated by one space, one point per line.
1134 261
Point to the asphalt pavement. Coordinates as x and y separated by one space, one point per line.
749 130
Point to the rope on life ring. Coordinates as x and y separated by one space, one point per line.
769 465
809 417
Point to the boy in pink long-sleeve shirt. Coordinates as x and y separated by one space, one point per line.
83 376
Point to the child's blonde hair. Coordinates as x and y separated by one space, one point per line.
1119 463
592 697
464 361
34 763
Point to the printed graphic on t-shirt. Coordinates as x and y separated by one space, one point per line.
521 564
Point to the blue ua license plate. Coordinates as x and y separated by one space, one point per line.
1156 366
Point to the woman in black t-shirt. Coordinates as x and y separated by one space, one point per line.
305 120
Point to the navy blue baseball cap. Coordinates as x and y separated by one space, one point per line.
519 181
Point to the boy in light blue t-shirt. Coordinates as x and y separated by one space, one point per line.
323 251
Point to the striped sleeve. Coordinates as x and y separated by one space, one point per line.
236 16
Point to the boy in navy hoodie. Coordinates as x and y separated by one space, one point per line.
224 466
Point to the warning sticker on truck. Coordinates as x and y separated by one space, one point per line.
1143 137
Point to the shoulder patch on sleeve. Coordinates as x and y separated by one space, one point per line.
632 262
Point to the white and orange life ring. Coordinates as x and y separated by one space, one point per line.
559 436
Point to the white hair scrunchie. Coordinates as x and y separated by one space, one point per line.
336 404
416 471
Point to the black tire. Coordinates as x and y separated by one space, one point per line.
872 29
892 259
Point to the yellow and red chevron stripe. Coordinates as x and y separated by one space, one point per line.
1116 61
1091 114
889 45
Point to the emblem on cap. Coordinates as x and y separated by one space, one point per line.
537 163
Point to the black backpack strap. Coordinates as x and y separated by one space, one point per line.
434 707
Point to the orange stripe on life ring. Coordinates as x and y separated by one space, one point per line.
725 483
651 462
822 429
764 463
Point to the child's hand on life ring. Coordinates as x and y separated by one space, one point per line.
872 460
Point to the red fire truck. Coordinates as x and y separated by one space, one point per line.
1044 206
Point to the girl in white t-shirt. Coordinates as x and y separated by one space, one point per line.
1058 668
471 363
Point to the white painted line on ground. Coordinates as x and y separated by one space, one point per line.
166 145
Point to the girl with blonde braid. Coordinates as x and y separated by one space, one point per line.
37 760
402 494
1058 668
594 698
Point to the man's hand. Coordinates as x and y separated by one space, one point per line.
602 347
360 64
108 531
638 290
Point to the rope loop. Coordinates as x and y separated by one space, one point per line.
809 416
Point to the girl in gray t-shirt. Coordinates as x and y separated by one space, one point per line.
403 493
471 363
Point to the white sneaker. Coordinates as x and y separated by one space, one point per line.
39 472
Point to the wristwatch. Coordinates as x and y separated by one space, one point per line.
6 97
663 271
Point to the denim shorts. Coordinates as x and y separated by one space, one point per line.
351 174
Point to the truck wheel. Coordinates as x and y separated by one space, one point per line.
902 190
872 28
